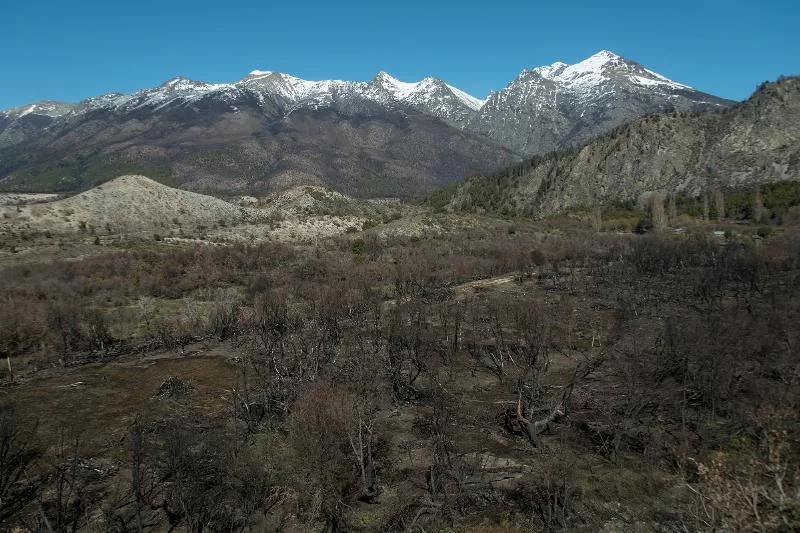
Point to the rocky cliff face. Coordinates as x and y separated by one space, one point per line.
755 141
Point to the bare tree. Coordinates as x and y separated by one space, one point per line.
758 204
719 203
597 218
64 319
253 412
332 440
658 217
409 344
66 508
18 454
532 428
551 489
673 210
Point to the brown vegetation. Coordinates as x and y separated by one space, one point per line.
546 378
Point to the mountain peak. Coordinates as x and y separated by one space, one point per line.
398 89
593 65
47 108
600 69
424 90
172 82
592 95
605 55
384 78
547 71
182 83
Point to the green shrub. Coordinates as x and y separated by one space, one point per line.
764 232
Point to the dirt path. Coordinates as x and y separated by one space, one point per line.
471 287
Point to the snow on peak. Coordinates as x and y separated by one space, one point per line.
591 70
174 81
605 55
599 68
28 111
468 100
422 90
291 89
399 89
45 108
181 83
548 71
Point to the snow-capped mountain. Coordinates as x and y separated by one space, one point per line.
544 108
431 96
45 108
265 131
561 105
383 127
20 123
594 73
278 94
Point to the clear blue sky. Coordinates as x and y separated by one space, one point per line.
69 50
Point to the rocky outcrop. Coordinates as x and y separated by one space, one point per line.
756 141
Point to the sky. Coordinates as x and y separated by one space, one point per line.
70 50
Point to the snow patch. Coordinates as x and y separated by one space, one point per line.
399 89
468 100
28 111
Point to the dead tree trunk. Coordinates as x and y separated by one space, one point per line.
719 204
253 413
758 204
658 218
518 422
532 429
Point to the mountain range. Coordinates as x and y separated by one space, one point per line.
271 130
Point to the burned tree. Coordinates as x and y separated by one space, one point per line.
333 440
18 453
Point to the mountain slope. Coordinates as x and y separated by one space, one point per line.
24 122
756 141
228 151
560 106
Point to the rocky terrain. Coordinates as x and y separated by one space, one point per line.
757 141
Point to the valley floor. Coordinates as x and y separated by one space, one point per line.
431 373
